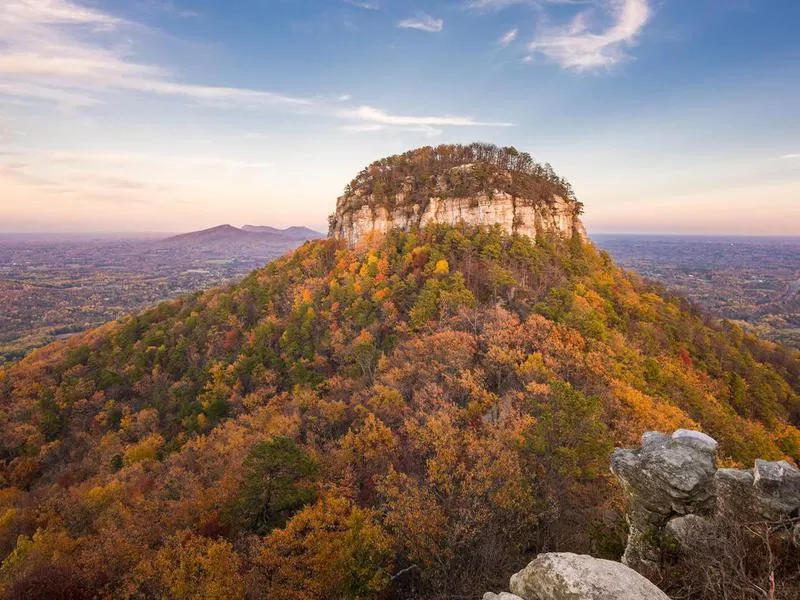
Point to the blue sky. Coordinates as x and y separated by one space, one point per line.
666 115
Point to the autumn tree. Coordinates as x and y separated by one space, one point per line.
277 482
337 551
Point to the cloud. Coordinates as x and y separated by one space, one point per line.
496 5
20 12
374 127
125 158
172 9
508 38
363 5
371 115
584 45
61 51
790 156
86 177
424 22
64 98
486 5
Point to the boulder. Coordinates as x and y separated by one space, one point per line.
566 576
735 493
501 596
669 475
777 489
679 502
699 440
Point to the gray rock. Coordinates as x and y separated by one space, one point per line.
696 438
735 493
651 439
501 596
689 532
777 489
677 494
566 576
668 475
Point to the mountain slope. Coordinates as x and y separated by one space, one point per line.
294 232
455 394
232 239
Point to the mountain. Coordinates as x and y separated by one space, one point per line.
226 238
295 232
414 415
262 229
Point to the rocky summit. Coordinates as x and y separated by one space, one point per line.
479 184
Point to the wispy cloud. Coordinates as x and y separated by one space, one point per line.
59 51
376 127
508 38
120 177
125 158
586 44
790 156
487 5
363 5
371 115
62 51
172 8
423 22
496 5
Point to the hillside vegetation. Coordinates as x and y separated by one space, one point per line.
454 171
417 418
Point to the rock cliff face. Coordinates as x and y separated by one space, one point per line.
514 215
475 185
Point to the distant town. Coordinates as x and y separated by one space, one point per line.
754 281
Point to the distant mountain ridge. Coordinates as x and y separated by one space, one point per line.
294 232
249 236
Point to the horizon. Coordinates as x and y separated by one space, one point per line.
591 234
170 117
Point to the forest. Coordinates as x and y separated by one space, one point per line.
416 418
454 171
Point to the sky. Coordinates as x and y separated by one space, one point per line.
667 116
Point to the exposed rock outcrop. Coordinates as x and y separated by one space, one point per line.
478 184
676 493
677 501
514 215
666 477
567 576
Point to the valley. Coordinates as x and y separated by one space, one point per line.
54 286
754 281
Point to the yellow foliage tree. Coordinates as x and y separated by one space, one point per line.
191 567
337 550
